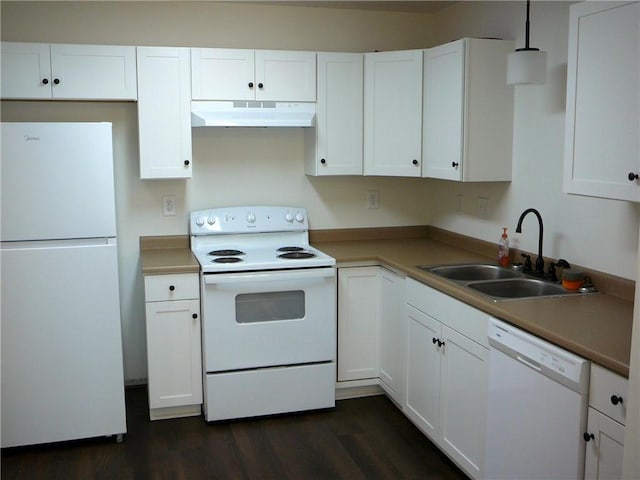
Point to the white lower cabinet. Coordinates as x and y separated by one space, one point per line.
392 336
447 373
605 425
174 359
371 329
358 313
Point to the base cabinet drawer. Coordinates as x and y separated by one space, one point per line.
182 286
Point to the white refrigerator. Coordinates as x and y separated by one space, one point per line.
62 369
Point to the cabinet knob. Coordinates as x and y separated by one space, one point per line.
414 161
615 399
172 288
194 316
186 163
454 164
56 81
323 161
588 436
260 85
632 176
45 81
434 340
250 84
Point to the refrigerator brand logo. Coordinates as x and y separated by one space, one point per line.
28 138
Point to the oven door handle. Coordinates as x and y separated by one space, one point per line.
272 276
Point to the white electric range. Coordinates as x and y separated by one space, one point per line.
268 305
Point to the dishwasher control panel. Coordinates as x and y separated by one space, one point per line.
540 355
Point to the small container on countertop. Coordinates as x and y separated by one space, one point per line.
572 279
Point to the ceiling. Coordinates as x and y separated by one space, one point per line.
381 5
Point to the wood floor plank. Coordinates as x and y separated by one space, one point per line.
365 438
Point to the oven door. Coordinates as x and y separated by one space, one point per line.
275 318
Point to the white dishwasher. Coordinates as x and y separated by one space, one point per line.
536 408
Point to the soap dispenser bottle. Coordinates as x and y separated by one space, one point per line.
503 248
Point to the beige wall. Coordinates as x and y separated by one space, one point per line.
596 233
262 166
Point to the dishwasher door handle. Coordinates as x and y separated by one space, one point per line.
529 363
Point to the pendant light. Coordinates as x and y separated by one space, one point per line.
526 65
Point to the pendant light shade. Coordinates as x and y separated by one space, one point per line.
526 65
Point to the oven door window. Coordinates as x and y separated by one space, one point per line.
270 306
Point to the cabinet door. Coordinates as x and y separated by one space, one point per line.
444 89
393 113
222 74
463 398
603 457
174 353
423 371
26 70
164 112
392 335
285 76
334 147
357 323
93 72
603 120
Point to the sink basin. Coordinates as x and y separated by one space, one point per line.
518 288
497 282
471 272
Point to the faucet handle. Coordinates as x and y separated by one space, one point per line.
527 262
562 263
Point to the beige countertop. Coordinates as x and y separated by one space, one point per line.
596 327
168 254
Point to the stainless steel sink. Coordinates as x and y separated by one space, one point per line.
497 282
519 288
471 272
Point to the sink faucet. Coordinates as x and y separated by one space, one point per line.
539 260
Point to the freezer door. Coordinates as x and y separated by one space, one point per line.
57 181
62 369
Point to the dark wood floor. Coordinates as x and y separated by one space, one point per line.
366 438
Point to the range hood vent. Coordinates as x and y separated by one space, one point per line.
252 114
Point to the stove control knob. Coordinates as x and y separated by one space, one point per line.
251 217
211 220
199 221
288 217
299 217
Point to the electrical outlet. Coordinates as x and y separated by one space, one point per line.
483 207
373 199
169 205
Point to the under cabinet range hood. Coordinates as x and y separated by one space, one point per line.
252 114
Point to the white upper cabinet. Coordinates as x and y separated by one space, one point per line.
468 111
71 72
262 75
393 113
164 112
334 147
602 154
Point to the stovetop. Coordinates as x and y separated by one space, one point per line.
232 239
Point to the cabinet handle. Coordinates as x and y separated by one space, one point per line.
414 161
588 436
260 85
45 81
615 399
186 163
323 161
56 81
172 288
454 164
194 316
250 84
632 176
